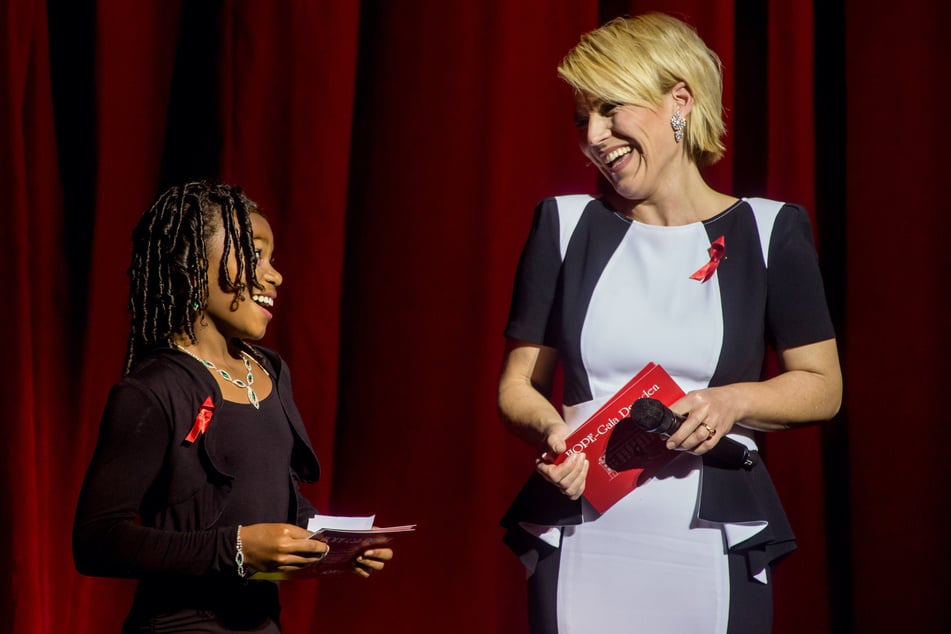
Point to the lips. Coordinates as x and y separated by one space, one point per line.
616 159
616 154
264 302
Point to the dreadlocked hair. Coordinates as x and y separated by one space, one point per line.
168 276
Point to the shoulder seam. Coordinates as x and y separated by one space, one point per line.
570 208
765 212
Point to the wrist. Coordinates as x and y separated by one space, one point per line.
553 434
239 555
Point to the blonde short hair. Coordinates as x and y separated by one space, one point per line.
638 60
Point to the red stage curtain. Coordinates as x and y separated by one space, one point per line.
460 126
135 53
790 172
288 75
398 149
38 370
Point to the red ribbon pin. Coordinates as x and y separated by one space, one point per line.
202 421
706 271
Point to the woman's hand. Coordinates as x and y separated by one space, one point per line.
711 414
371 560
570 475
808 389
526 374
280 547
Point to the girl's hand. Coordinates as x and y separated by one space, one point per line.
280 547
371 560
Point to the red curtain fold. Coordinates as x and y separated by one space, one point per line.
287 91
790 175
135 54
461 126
37 370
398 149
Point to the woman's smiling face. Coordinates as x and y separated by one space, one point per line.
631 145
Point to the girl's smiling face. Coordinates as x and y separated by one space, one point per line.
243 317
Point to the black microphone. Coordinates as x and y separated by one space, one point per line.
653 416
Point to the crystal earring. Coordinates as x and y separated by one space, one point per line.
678 123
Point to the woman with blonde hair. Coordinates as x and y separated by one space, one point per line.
606 285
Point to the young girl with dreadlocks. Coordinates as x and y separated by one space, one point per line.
193 483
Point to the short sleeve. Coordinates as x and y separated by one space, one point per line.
796 310
536 279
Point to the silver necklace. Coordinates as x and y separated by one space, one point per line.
244 385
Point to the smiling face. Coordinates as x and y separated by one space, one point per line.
642 60
632 146
241 316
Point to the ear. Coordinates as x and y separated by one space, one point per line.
682 97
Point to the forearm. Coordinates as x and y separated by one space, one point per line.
526 412
793 397
523 387
126 549
109 538
809 389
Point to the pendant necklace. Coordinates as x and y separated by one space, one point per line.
244 385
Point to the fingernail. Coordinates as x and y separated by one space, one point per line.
670 445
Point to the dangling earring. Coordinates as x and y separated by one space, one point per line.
678 123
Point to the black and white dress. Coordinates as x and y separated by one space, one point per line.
680 553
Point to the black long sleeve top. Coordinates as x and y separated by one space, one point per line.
158 481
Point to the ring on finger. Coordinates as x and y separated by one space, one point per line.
710 430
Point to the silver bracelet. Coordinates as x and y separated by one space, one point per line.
239 555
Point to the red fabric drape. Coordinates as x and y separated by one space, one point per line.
135 54
398 149
461 126
33 266
790 175
290 150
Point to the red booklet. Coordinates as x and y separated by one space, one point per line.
622 456
345 544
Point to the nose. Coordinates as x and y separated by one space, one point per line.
599 129
272 275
